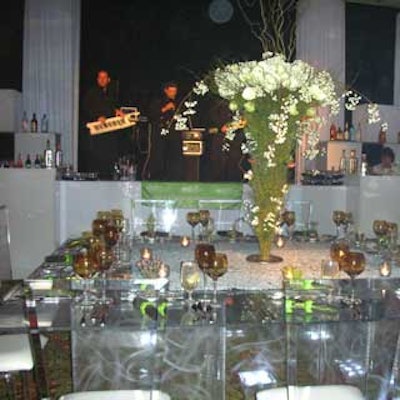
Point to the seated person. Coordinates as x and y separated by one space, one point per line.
387 165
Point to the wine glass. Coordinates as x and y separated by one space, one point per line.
353 264
339 250
289 218
381 229
348 220
338 218
111 235
118 219
204 219
205 256
193 218
218 268
105 259
84 267
190 277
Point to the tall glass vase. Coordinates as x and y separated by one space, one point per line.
269 180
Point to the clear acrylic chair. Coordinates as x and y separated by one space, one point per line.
303 212
227 214
342 392
118 395
15 358
5 255
164 212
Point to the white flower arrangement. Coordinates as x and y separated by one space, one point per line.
373 113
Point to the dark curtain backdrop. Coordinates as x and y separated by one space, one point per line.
370 44
146 43
11 36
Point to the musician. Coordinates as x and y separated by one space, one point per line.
100 102
166 154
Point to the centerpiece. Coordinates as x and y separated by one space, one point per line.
275 102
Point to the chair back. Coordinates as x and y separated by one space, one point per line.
5 255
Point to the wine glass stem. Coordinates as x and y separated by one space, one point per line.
352 289
190 297
215 301
103 287
204 285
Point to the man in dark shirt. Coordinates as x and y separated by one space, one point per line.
101 151
166 152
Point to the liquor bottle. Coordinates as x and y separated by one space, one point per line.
353 163
333 132
58 157
382 136
339 135
343 162
42 162
24 123
34 124
346 134
48 156
37 162
44 124
364 165
352 133
28 162
20 163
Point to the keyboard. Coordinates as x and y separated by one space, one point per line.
113 123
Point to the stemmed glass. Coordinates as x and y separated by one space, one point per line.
205 256
339 250
193 218
105 259
190 277
289 218
381 229
353 264
338 218
204 218
348 220
218 268
85 269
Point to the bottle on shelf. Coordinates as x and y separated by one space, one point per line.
333 132
37 162
382 136
340 135
353 163
28 161
24 123
48 156
343 162
34 123
20 163
352 133
58 157
364 165
398 138
42 161
346 133
44 124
